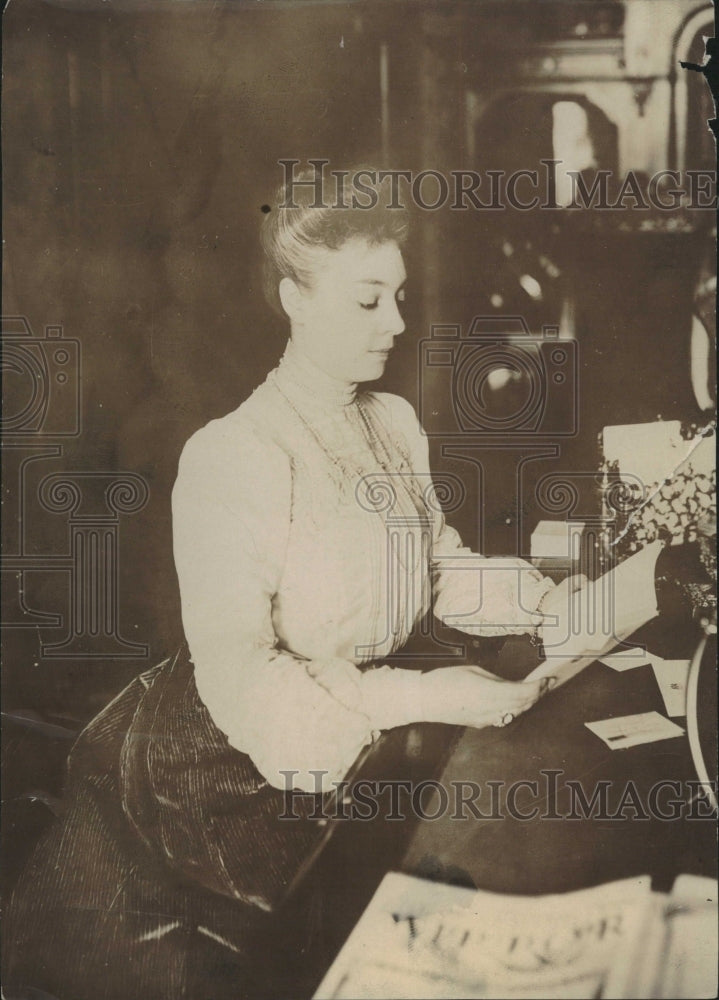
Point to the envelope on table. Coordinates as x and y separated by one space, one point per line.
632 730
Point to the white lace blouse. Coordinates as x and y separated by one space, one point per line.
308 541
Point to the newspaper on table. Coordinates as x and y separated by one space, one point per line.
422 939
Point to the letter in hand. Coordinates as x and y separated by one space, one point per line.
553 603
556 599
581 625
575 619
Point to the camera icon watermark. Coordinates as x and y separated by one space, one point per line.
41 381
498 379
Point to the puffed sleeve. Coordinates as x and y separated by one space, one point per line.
476 594
231 515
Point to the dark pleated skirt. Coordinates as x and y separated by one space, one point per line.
165 877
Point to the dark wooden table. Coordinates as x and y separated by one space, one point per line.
559 846
649 816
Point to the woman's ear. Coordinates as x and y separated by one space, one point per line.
291 298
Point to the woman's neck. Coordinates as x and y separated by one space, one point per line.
304 373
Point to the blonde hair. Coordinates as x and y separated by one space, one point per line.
318 215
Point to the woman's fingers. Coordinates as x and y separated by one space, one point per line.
535 692
520 698
524 695
483 699
546 684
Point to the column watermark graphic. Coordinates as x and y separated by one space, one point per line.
42 396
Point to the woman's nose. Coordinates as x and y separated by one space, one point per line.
395 324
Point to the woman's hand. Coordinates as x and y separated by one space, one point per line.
556 601
470 696
555 614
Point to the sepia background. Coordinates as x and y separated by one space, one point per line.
141 141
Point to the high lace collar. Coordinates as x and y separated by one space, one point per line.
298 374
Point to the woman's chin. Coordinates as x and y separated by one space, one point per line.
374 366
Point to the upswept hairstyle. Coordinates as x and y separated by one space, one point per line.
300 227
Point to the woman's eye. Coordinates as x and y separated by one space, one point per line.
370 305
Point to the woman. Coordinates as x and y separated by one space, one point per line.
297 579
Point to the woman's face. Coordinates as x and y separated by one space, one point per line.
347 318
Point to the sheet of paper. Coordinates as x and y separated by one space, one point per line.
627 659
599 617
647 452
672 676
632 730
